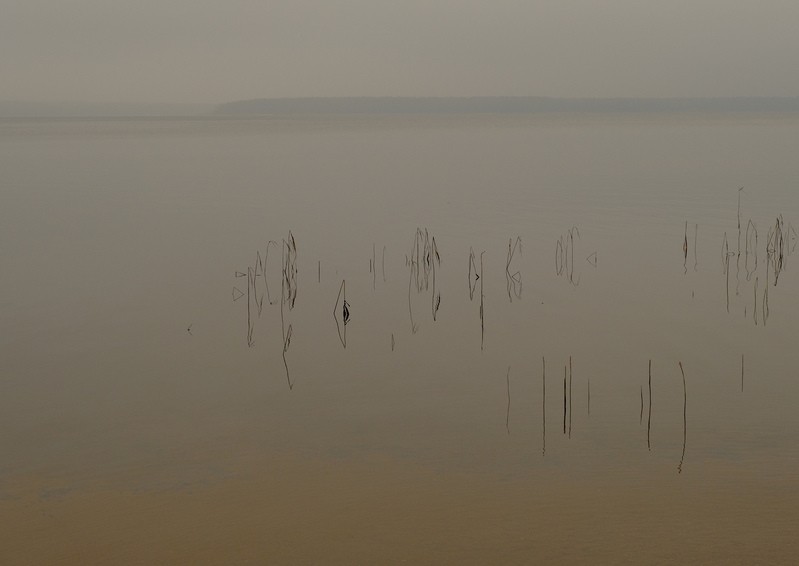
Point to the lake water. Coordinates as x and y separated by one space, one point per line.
176 388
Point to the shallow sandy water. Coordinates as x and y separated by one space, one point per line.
379 511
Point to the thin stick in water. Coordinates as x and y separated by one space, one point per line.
341 299
739 220
570 396
685 248
544 405
482 305
727 272
696 234
564 399
649 420
684 419
507 413
641 418
754 310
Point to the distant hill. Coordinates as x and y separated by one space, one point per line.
25 109
399 105
501 104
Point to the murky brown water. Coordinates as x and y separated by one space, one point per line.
147 415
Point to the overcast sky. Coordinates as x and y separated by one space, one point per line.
213 51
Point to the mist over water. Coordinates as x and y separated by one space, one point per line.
183 298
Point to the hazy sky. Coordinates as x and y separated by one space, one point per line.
214 51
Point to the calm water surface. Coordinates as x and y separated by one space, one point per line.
149 338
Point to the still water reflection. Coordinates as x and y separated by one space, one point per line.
169 290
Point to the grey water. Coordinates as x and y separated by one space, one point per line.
138 341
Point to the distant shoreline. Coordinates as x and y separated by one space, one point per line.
343 106
12 109
501 105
